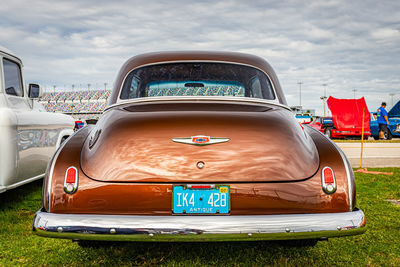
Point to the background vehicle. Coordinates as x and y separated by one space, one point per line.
198 146
394 123
303 118
323 124
29 135
347 117
79 124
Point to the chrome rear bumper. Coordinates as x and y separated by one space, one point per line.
198 228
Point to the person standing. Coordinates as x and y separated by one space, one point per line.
383 120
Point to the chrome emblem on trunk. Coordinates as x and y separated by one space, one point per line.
200 140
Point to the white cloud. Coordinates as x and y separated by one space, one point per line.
386 33
345 44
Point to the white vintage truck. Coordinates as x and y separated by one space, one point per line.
29 135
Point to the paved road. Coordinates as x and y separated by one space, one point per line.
374 154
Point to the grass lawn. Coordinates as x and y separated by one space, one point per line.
380 245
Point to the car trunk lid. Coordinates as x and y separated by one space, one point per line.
135 144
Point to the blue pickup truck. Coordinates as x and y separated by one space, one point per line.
393 127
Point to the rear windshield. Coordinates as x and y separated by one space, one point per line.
197 79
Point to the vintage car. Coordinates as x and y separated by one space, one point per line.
322 124
29 135
347 118
78 125
198 146
303 118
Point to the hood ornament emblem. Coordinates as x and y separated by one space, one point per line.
200 140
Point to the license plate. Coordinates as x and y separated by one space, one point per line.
200 199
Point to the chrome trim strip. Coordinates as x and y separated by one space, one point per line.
50 179
53 162
157 99
348 168
173 228
12 186
349 182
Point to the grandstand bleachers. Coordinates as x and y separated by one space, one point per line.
197 91
80 104
90 104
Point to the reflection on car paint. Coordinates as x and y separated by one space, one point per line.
37 138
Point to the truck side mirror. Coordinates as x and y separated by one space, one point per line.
34 91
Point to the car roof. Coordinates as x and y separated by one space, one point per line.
9 53
194 56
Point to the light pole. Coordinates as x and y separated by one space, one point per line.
105 87
300 83
354 91
323 98
391 95
88 86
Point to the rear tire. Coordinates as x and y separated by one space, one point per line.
328 132
388 135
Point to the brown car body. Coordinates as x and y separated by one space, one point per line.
128 163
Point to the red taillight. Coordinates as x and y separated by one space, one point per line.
71 180
71 176
328 180
328 176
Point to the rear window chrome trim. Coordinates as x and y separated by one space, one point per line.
158 99
194 61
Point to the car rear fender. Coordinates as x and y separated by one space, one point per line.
66 155
332 156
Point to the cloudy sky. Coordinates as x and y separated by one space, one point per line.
346 45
